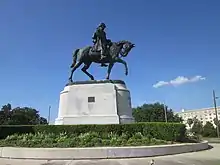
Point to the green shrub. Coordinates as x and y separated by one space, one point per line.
6 130
158 130
91 139
192 137
209 130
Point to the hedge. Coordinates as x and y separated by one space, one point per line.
158 130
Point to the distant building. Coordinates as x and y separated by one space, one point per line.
204 115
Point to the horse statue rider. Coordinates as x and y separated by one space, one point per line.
101 43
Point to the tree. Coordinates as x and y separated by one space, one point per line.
6 108
20 116
216 122
154 113
190 122
43 121
5 113
197 127
209 130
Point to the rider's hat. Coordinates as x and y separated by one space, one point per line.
102 25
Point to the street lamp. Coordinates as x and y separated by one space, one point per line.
48 119
165 112
216 112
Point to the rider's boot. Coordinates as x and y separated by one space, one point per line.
103 64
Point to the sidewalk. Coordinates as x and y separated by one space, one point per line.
212 140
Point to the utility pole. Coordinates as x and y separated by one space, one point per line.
165 112
216 112
48 119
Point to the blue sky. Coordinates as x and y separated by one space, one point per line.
173 38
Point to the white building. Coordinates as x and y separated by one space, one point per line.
204 115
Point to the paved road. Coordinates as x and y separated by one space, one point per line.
208 157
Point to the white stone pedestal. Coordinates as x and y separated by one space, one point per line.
95 102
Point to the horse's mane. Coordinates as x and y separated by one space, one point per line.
121 42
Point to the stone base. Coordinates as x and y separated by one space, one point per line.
95 102
91 153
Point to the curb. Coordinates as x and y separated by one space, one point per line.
99 152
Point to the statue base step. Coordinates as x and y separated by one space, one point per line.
95 102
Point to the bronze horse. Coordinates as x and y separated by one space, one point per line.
87 56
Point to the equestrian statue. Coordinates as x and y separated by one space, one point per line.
103 51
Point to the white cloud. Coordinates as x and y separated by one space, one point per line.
180 80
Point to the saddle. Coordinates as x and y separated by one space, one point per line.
95 47
93 51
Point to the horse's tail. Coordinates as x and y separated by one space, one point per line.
74 58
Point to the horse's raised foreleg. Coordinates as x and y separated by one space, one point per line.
119 60
73 69
109 70
84 69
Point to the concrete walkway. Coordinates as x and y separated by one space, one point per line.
208 157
